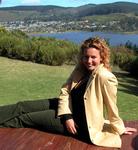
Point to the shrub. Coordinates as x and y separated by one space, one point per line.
55 56
51 54
121 56
25 50
56 52
16 44
7 44
19 33
125 58
134 67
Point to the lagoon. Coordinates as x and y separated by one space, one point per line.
77 37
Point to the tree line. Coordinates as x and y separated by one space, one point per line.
18 45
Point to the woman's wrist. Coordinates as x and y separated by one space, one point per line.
66 117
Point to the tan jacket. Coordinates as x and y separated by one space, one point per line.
101 90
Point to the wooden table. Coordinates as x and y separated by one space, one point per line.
31 139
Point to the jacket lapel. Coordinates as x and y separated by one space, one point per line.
92 76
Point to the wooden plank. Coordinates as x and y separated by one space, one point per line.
130 142
31 139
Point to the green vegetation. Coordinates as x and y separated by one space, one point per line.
115 22
126 57
17 45
127 96
22 80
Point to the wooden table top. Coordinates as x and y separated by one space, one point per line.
31 139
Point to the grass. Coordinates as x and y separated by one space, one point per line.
127 96
22 80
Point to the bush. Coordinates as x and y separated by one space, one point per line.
52 54
55 56
134 67
7 44
56 52
25 50
19 33
125 58
121 56
16 44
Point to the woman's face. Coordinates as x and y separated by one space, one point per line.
91 58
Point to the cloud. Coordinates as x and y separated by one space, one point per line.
34 2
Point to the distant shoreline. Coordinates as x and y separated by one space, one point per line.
112 32
115 39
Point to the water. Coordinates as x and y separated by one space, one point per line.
78 37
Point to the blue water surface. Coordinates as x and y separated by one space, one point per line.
77 37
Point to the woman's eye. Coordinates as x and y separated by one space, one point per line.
85 57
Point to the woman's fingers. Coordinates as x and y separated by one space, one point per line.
73 130
130 130
70 125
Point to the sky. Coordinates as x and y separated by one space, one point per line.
64 3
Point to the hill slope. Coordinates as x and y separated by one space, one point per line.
56 12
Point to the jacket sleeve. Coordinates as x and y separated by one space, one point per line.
64 103
65 117
110 100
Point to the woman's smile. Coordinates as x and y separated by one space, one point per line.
91 58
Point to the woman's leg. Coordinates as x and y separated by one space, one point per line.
42 120
9 112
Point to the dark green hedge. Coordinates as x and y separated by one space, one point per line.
125 58
50 51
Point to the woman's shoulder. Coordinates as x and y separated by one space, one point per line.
77 73
105 74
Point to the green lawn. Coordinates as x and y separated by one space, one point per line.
22 80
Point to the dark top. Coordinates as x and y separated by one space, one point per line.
77 94
78 108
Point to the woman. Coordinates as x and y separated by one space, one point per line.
83 97
80 112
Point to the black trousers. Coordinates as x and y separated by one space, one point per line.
39 114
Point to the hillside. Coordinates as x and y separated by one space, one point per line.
116 17
56 12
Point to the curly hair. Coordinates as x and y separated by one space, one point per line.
99 44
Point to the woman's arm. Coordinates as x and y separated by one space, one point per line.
64 103
110 100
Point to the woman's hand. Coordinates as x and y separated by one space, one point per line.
71 126
130 130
